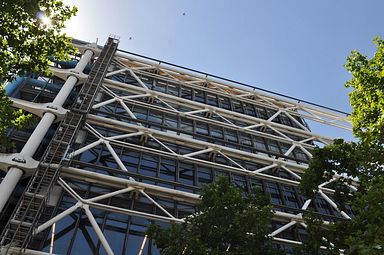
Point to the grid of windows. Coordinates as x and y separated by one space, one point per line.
213 97
209 132
145 162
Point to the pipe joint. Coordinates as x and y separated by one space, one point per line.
90 46
27 164
40 109
66 73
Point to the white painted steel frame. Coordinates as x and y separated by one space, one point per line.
199 107
124 186
14 174
131 64
304 143
139 130
217 86
137 67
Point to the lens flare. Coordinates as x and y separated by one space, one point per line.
46 21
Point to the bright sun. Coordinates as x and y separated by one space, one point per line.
46 21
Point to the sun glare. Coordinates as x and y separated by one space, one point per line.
46 21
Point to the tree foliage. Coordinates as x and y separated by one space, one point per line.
367 97
10 118
227 222
30 35
318 238
360 164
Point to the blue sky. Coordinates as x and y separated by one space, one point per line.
295 47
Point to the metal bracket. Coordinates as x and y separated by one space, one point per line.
25 163
39 109
65 73
91 46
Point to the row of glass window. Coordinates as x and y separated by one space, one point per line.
209 98
125 233
201 130
177 174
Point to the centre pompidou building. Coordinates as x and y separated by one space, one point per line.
124 140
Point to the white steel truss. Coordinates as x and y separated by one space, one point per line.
218 86
196 107
304 143
201 152
201 148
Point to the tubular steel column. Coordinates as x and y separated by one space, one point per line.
14 174
23 222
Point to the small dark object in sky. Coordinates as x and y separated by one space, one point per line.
130 38
183 13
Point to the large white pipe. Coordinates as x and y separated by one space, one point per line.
8 185
38 134
14 174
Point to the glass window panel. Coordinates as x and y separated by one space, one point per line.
239 181
184 210
300 155
217 132
186 125
273 146
186 173
245 139
224 103
284 119
161 86
256 183
154 250
290 196
63 235
261 112
168 170
273 190
115 239
168 205
140 113
259 143
89 156
250 110
202 128
284 147
155 117
231 135
170 121
150 161
173 90
212 100
110 162
83 244
199 96
134 243
204 174
186 93
237 106
130 157
322 206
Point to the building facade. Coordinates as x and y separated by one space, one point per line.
126 140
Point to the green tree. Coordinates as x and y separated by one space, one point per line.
30 35
367 97
10 118
226 222
359 163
